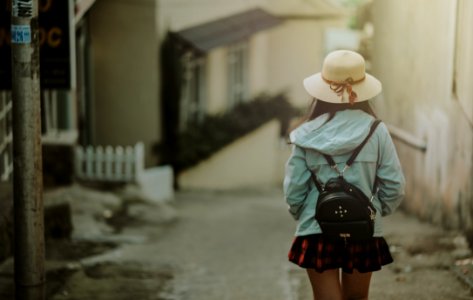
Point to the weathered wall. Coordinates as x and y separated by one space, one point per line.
414 54
253 161
125 67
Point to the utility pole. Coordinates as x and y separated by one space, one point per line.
27 171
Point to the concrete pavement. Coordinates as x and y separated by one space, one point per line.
242 239
233 246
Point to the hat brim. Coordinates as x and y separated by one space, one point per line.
365 90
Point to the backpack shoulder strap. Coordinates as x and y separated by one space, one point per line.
350 161
358 149
319 185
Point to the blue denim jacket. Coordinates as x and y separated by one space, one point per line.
338 137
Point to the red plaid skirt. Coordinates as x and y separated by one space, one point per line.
322 253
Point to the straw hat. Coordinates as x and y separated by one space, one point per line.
343 79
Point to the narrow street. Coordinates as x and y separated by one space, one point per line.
229 246
107 106
225 246
233 245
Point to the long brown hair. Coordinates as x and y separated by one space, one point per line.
319 107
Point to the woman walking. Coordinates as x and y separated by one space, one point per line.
339 120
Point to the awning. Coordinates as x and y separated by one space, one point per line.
227 30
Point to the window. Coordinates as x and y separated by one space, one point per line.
58 117
463 67
193 91
237 73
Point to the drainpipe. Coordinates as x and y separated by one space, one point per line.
27 171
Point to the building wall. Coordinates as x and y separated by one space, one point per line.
217 81
414 56
259 62
179 14
217 73
279 58
296 50
254 161
125 68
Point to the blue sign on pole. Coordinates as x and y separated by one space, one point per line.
21 34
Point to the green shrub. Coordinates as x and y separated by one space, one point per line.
202 139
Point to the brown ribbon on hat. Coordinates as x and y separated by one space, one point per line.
340 87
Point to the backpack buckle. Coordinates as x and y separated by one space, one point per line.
372 213
335 167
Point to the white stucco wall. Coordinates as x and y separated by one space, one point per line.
414 58
217 78
259 62
217 73
125 68
296 50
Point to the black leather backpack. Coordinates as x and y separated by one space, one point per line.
343 210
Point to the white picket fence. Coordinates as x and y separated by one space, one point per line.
113 164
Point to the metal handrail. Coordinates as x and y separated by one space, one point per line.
407 138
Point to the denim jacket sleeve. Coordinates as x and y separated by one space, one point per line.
389 175
296 181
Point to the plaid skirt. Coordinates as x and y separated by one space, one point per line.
321 253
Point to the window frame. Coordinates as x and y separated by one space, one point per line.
193 102
238 72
